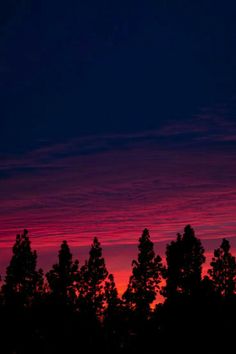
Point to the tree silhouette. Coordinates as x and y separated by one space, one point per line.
184 258
91 286
22 279
223 270
80 310
114 304
23 283
145 278
64 275
113 317
111 295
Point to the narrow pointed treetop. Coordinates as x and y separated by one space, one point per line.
22 278
63 276
146 276
93 275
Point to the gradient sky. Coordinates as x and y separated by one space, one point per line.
116 116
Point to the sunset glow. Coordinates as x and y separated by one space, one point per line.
116 118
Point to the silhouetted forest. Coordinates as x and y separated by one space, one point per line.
77 309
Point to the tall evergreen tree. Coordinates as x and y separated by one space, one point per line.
146 276
223 270
184 258
113 323
64 275
111 294
22 280
91 286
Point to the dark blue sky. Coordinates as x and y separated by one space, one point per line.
78 68
115 116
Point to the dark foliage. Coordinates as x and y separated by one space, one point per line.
223 270
91 287
146 276
77 310
184 257
22 279
64 276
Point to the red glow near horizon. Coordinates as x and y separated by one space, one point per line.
114 195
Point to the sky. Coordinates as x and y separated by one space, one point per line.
116 116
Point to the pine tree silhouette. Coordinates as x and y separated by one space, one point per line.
223 270
91 287
113 321
22 278
60 302
64 275
146 276
184 258
111 295
23 283
81 310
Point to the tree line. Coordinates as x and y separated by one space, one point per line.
74 308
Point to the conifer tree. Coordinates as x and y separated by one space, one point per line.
111 295
64 275
146 276
22 280
91 286
184 258
114 320
223 270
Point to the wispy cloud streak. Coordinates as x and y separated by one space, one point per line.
114 186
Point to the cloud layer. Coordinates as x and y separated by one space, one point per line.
114 186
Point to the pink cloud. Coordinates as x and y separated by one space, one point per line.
114 194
